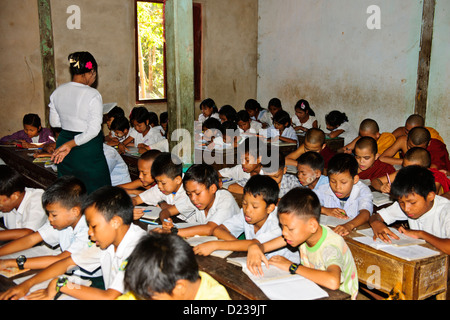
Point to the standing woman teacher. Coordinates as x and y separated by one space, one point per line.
77 109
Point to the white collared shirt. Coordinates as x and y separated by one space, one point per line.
435 222
223 208
118 169
79 108
29 215
360 199
180 199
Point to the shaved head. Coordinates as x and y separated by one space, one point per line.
419 156
315 136
419 136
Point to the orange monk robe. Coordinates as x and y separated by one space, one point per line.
434 134
386 140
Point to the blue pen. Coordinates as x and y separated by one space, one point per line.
149 222
147 210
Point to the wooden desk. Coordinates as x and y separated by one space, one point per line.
420 279
35 174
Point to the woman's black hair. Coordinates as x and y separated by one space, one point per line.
302 104
229 112
252 104
282 117
82 62
210 104
336 118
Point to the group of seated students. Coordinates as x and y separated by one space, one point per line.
277 221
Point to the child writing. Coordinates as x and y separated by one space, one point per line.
114 113
20 207
325 257
310 166
109 212
314 141
180 279
170 196
209 110
32 135
246 125
345 197
369 166
66 227
212 205
274 106
120 127
305 117
428 214
257 113
282 123
338 125
415 156
257 220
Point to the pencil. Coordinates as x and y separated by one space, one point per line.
389 179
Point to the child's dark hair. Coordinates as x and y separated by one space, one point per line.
418 155
302 202
264 186
10 181
153 119
163 117
242 116
116 112
203 174
167 164
367 143
156 264
32 119
110 202
67 191
275 102
282 117
303 105
81 63
139 114
230 128
252 104
212 123
150 155
343 162
413 179
120 124
336 118
208 102
313 160
229 112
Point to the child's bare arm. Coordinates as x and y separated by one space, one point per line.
291 158
439 243
359 220
21 244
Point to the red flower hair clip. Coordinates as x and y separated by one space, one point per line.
89 65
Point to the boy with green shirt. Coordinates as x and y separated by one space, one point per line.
325 257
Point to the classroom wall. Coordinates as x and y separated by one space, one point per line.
323 51
107 31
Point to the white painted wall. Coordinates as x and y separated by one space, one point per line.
322 51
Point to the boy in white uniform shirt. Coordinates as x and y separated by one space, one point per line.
169 195
257 220
212 205
66 227
20 207
109 212
428 214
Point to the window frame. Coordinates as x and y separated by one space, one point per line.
198 39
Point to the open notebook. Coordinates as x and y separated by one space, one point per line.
278 284
193 241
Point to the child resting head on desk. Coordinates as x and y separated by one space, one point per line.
212 205
66 227
325 257
169 194
345 197
428 214
20 207
180 279
257 220
109 212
